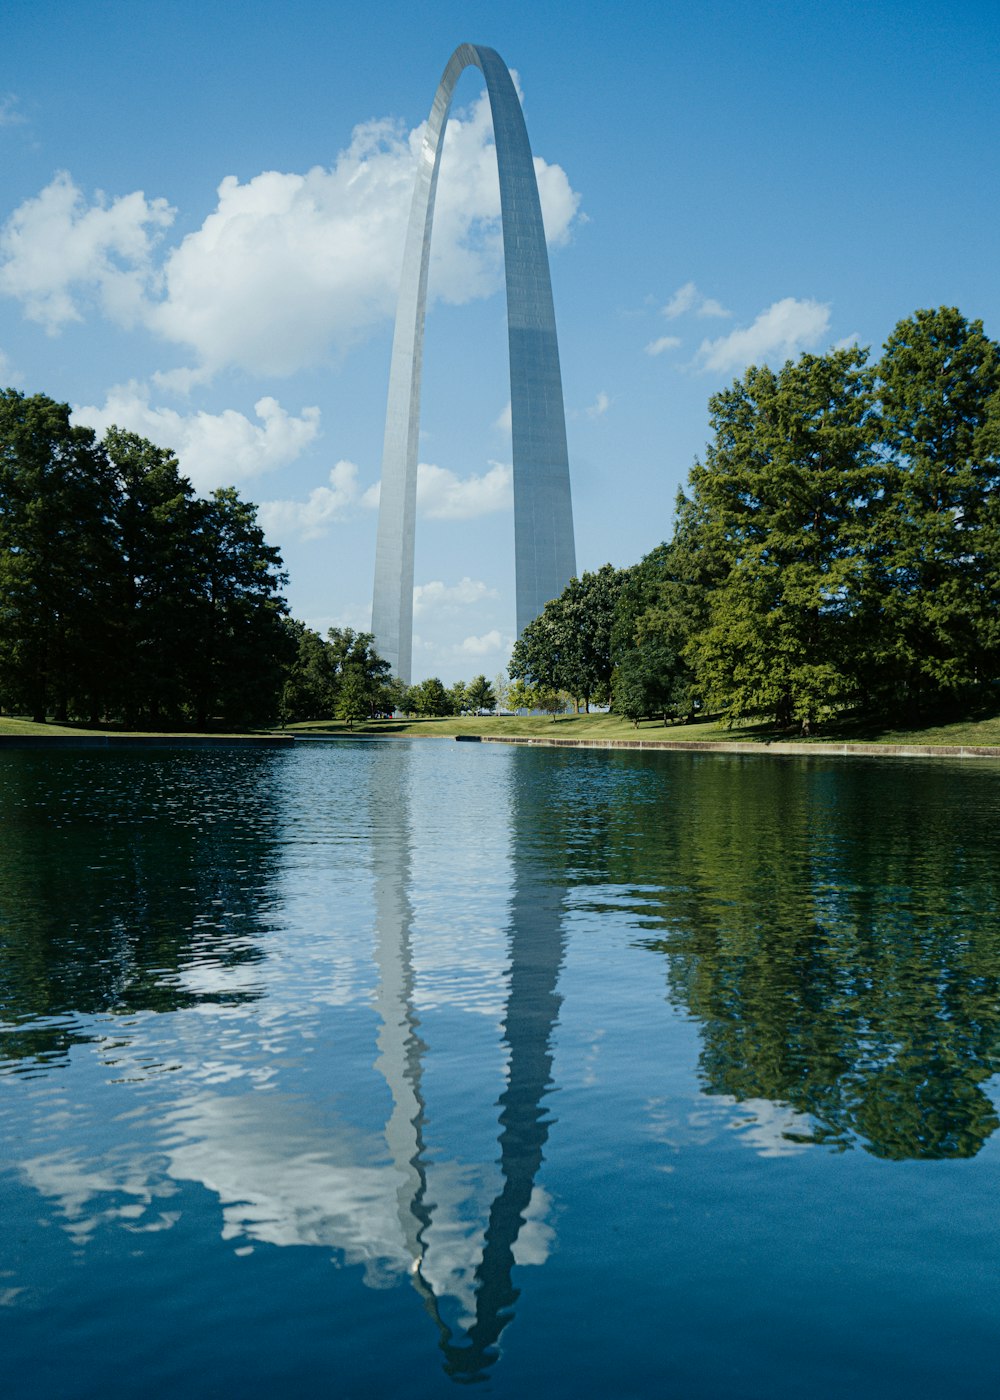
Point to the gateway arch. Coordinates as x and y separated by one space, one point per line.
544 552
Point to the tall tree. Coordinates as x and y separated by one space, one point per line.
240 648
479 695
431 699
655 618
56 559
310 681
939 387
157 580
785 503
363 685
568 646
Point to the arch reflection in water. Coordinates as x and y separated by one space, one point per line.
536 942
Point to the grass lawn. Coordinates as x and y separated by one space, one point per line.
26 727
600 726
597 726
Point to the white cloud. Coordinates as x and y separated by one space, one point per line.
289 269
848 342
599 407
783 330
502 422
665 342
312 518
687 299
437 595
57 251
441 495
683 300
486 645
214 449
10 115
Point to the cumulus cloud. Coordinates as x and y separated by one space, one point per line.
289 269
665 342
436 595
214 449
502 422
599 407
441 495
782 331
687 299
486 645
57 253
312 517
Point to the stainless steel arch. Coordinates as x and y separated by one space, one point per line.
544 551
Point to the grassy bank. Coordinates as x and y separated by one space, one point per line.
28 729
610 727
607 728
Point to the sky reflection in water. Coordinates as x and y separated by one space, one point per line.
584 1071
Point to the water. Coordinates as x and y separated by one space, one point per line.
373 1069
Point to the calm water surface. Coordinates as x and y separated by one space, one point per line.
373 1069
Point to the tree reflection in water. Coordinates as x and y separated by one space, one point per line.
129 882
834 928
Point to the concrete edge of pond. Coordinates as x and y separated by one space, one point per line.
145 741
763 747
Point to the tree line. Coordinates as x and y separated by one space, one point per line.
124 596
127 599
343 676
837 551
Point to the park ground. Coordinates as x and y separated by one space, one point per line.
604 728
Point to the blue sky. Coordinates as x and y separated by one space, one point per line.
202 209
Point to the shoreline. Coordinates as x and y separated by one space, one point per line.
841 749
145 741
780 747
834 748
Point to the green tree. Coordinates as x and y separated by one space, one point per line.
551 700
431 699
480 695
785 504
157 580
653 623
240 649
363 684
935 616
354 695
395 693
521 696
310 681
568 646
459 697
56 559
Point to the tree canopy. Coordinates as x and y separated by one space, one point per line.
122 595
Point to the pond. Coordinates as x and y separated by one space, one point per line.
377 1068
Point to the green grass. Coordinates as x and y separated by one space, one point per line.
610 727
26 727
984 731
